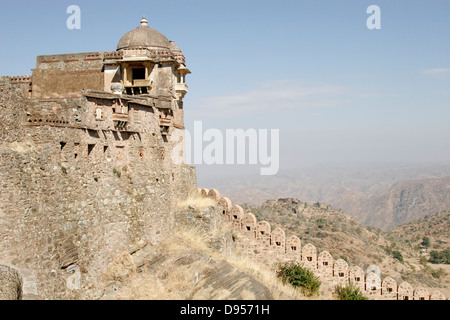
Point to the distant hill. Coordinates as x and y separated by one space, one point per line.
404 202
383 196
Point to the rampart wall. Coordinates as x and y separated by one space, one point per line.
269 247
73 196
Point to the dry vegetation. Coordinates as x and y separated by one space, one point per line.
195 200
435 227
179 267
176 269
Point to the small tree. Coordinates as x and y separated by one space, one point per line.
426 242
397 255
440 256
298 276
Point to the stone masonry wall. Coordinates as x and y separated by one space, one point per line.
66 75
269 247
71 198
10 284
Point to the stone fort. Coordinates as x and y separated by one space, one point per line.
89 158
90 164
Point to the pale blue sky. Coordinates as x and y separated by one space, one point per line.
336 90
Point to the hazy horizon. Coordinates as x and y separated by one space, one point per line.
208 176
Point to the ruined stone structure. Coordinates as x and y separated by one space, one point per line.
91 159
256 240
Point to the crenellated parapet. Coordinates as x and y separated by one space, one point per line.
20 79
259 241
23 82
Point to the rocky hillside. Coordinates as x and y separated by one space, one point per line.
326 228
418 240
436 228
404 202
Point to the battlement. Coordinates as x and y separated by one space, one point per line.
20 79
257 240
23 82
65 60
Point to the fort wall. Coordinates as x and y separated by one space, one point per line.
257 240
75 191
90 160
67 75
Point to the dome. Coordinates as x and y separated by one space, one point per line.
143 37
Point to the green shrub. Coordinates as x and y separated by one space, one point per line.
437 273
426 242
349 292
300 277
440 256
397 255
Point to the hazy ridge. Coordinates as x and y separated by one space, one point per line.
380 195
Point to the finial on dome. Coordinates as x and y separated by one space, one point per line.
144 21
